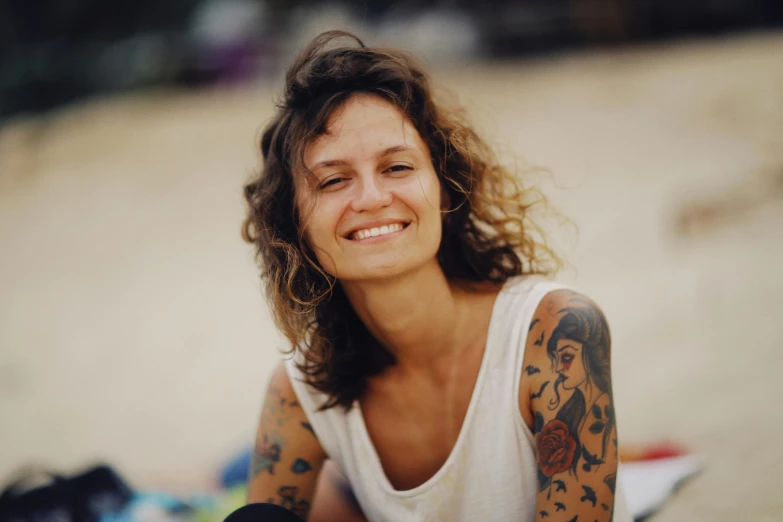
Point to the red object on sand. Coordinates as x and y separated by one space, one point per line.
663 450
653 451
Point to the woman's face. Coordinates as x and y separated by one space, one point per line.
372 210
570 364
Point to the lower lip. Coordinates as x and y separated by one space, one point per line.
378 239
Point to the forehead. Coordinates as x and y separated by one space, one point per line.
362 126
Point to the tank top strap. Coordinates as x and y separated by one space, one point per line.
513 316
329 426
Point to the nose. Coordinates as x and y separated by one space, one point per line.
371 194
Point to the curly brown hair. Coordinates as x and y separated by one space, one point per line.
488 235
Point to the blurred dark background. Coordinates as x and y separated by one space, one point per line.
53 52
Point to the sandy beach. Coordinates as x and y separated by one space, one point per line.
133 328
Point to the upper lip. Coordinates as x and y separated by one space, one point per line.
374 224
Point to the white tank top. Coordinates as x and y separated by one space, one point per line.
490 474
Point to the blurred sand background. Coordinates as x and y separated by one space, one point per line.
133 328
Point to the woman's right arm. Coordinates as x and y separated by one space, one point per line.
287 457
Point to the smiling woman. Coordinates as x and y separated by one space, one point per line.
370 173
402 263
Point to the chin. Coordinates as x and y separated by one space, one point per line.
383 270
373 274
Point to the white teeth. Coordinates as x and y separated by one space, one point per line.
377 231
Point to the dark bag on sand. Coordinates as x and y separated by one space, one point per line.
263 513
80 498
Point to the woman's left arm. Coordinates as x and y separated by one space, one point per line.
566 399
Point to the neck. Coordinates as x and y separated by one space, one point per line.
420 317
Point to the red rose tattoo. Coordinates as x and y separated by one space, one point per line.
556 448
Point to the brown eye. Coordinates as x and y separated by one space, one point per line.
330 183
398 168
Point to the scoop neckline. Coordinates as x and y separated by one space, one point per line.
466 422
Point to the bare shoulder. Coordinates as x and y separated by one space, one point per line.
287 456
556 302
280 384
282 409
565 324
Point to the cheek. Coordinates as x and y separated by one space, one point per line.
434 193
319 222
320 235
423 196
423 185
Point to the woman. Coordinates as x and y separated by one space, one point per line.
401 263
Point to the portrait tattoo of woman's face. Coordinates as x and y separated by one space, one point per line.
578 436
569 366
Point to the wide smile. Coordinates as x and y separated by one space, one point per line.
376 233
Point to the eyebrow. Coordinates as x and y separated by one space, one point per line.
339 162
566 346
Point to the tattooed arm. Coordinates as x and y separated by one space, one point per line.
566 399
287 458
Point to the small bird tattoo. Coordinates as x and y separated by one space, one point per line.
589 495
538 395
